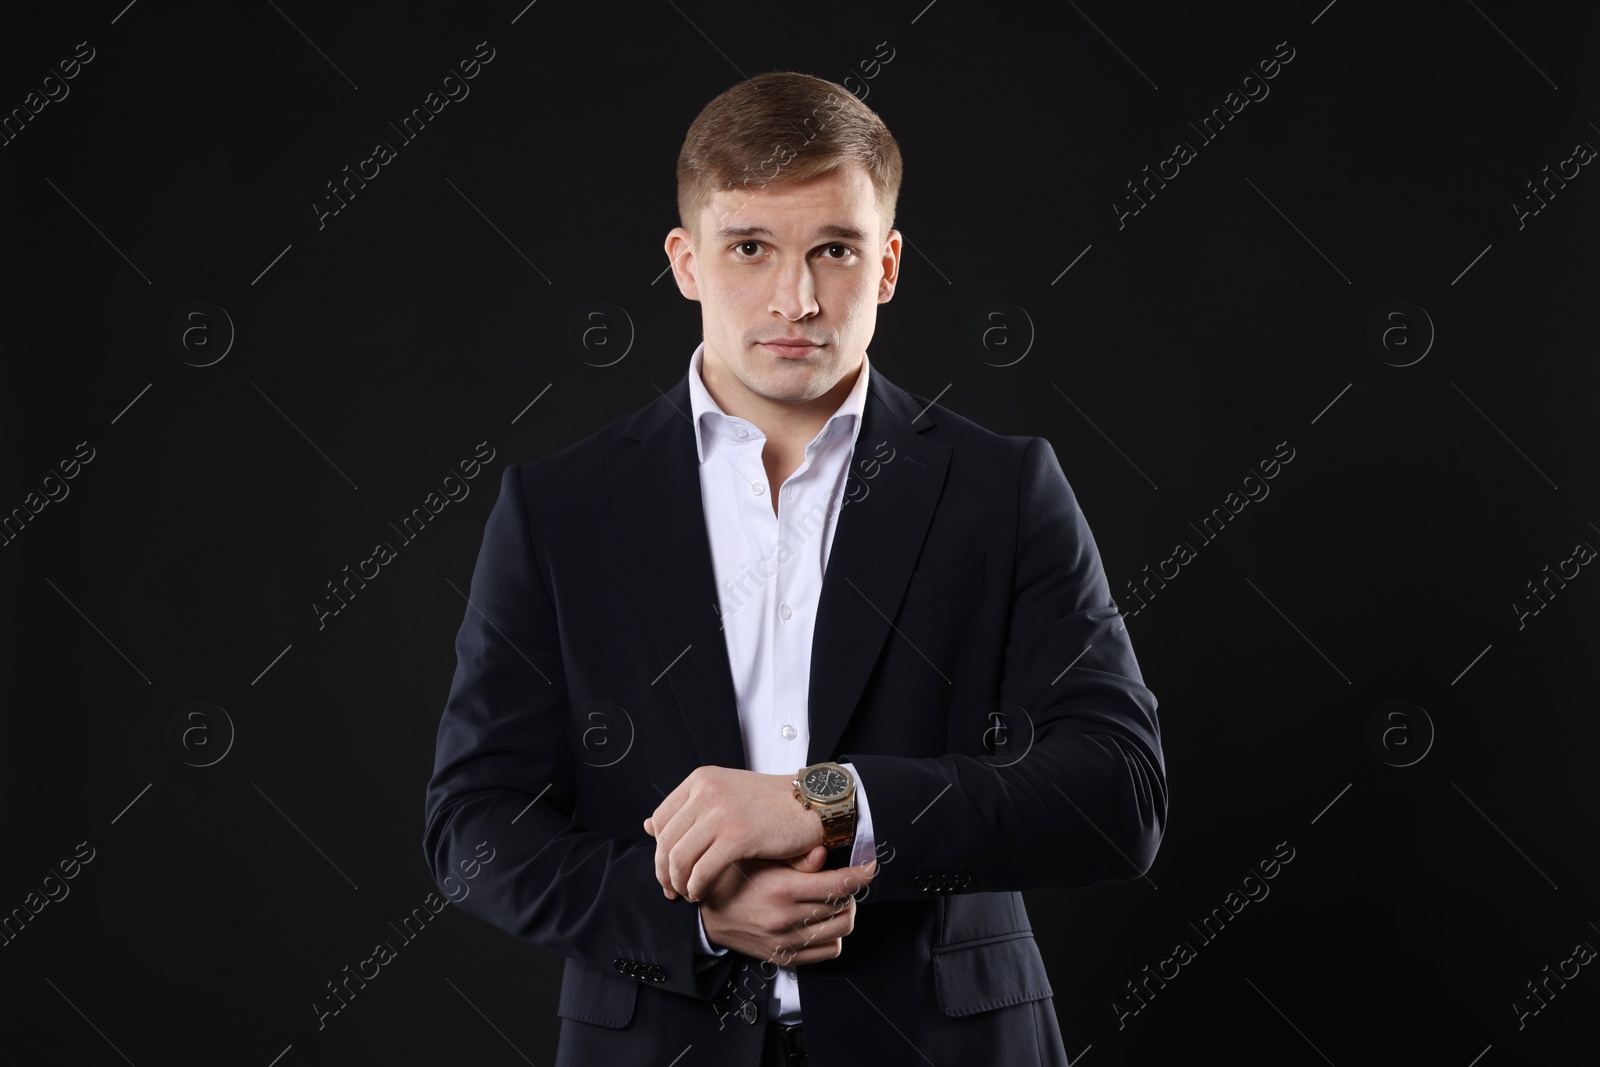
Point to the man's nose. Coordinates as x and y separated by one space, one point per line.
795 297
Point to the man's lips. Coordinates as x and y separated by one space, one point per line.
790 348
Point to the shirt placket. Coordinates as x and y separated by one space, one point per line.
783 618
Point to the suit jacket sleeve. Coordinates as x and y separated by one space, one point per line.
1087 802
504 773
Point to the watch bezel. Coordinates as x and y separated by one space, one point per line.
826 798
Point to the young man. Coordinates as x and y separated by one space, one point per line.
772 696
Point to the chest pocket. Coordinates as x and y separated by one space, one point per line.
949 578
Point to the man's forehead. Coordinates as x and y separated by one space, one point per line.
840 203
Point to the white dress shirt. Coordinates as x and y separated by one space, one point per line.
769 569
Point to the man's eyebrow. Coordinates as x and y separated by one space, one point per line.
843 233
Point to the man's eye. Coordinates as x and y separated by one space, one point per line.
748 244
846 251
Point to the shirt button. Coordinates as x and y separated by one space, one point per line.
788 733
757 488
784 610
741 431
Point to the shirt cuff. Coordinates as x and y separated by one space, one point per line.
865 847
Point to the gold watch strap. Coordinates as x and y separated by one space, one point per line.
838 827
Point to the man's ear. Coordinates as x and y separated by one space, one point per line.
891 266
680 251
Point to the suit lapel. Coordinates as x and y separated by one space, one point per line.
890 500
655 495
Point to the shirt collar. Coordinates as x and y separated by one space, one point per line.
711 422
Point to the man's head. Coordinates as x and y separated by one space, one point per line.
786 193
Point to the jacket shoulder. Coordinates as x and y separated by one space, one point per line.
972 440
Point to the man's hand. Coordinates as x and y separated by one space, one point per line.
720 815
790 911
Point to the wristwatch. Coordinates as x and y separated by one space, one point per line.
831 790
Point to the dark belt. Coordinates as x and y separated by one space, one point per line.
785 1046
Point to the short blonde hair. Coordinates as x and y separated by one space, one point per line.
783 127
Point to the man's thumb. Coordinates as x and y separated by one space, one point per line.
812 861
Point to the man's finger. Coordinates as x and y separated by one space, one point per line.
671 831
812 861
707 867
836 885
687 851
670 805
853 880
672 821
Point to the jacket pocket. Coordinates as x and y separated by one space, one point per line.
591 995
995 972
946 579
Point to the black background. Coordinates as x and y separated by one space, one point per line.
375 352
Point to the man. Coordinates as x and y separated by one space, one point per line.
772 696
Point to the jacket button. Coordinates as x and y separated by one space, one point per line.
747 1012
656 974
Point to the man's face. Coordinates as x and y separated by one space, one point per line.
807 262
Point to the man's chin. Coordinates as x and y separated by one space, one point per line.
796 386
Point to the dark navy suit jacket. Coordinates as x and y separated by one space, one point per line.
964 603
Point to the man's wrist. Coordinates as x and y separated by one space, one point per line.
807 819
706 947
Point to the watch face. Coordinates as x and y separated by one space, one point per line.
827 783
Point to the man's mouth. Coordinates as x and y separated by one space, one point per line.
791 347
